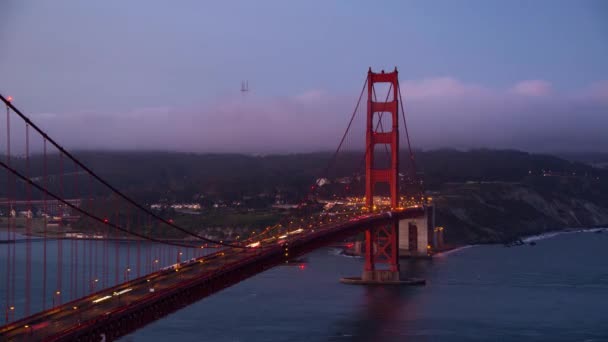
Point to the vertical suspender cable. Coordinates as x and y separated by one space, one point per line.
93 263
116 245
46 213
28 227
13 185
59 292
139 248
76 197
8 217
129 225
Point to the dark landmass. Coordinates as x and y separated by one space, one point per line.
597 159
482 196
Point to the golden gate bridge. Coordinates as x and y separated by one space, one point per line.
95 264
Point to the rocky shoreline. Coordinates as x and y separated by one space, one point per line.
500 212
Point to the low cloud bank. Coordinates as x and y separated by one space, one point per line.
441 112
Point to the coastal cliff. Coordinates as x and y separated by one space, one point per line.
494 212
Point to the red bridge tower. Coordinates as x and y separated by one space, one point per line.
382 244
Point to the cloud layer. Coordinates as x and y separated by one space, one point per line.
441 112
532 88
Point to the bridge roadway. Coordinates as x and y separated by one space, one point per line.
119 310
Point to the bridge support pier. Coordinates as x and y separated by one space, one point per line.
416 235
380 276
381 245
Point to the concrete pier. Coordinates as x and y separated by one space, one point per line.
417 235
416 238
400 282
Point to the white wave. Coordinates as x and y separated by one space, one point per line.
341 252
335 251
549 235
351 256
452 251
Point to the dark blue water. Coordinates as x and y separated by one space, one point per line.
554 291
78 271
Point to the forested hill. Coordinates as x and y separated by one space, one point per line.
162 171
182 175
481 195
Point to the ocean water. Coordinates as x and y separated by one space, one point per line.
78 270
556 290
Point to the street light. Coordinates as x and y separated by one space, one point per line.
79 314
58 296
94 284
10 311
127 271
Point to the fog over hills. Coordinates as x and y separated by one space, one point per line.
440 113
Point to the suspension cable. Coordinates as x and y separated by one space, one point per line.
108 185
333 158
407 135
86 213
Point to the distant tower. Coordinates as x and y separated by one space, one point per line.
244 86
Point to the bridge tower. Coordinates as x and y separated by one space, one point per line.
382 244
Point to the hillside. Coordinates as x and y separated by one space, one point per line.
481 195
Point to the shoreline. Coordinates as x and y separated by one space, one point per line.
530 238
526 239
21 237
551 234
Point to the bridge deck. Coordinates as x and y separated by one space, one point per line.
124 308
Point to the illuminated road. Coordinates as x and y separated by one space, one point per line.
110 302
74 313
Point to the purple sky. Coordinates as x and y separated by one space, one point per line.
166 75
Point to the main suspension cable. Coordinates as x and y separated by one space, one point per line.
108 185
86 213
